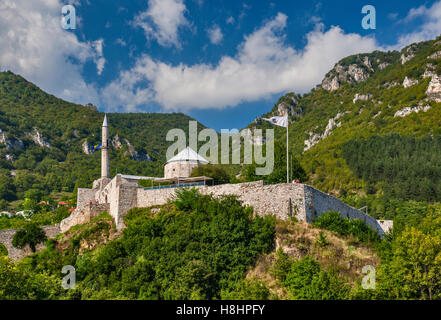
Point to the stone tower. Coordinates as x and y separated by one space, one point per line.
105 162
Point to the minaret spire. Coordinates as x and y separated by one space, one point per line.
105 162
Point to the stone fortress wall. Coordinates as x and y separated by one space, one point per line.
282 200
6 237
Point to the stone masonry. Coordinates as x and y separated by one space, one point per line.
6 237
282 200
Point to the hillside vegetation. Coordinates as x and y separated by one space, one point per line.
44 142
357 136
199 247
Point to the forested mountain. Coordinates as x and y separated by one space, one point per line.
368 133
47 143
372 126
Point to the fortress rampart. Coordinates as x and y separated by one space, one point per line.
6 237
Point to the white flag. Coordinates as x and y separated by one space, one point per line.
278 121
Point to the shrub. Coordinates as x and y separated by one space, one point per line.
306 280
31 235
215 171
333 221
3 250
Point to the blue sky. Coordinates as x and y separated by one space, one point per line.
222 62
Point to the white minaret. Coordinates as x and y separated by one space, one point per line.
105 163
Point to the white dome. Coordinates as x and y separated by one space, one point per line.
188 154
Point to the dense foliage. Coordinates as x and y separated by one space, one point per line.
196 248
306 280
333 221
66 126
403 167
30 235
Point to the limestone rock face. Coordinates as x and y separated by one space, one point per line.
368 63
409 82
383 65
315 138
116 143
428 74
87 148
347 74
434 89
331 84
357 73
135 155
9 142
407 58
436 55
407 54
390 85
408 110
289 108
75 133
361 97
37 137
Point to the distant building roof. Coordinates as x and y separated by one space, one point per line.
188 154
131 177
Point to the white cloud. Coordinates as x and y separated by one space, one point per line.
215 34
162 21
121 42
98 56
429 29
264 65
33 44
230 20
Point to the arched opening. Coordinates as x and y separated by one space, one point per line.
106 198
3 250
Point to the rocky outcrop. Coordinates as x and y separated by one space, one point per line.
37 137
347 74
87 148
315 138
383 65
436 55
10 143
408 110
376 115
409 82
361 97
367 63
135 155
434 89
116 143
408 54
76 133
389 85
428 74
331 84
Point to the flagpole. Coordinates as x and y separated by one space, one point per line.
287 166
